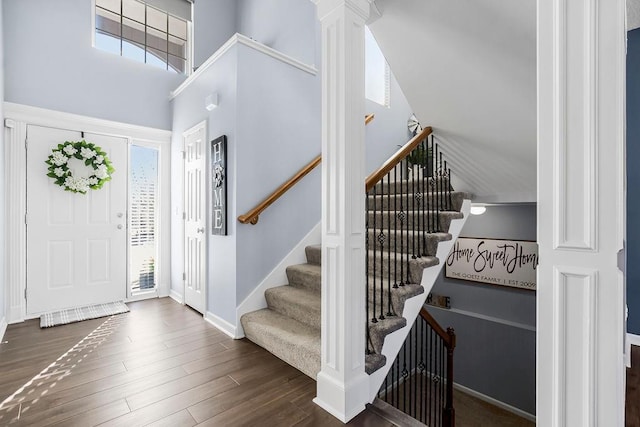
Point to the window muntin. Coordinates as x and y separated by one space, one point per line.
138 31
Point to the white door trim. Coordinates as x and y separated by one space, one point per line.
17 117
185 134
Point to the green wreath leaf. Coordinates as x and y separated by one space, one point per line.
58 166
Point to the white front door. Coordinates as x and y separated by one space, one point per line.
195 207
76 243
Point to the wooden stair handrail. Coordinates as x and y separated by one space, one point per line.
447 336
387 166
368 118
253 215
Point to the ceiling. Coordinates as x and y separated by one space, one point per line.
468 69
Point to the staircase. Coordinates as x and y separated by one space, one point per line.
407 244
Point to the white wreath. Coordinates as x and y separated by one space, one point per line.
89 153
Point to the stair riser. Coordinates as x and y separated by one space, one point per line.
305 279
423 243
303 314
390 220
314 254
409 202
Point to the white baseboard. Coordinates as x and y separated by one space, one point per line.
175 295
277 277
3 328
495 402
222 324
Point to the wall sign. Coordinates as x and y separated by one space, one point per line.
219 186
499 262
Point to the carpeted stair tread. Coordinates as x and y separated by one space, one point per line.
380 329
373 362
301 304
398 295
400 240
314 254
294 342
389 219
305 275
390 264
389 202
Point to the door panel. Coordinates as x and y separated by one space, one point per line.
195 219
76 243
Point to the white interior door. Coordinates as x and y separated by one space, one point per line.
76 243
194 217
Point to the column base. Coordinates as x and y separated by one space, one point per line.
343 401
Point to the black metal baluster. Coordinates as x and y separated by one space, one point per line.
397 383
375 248
441 184
449 189
366 269
413 210
405 218
430 374
381 239
389 313
415 370
404 378
432 187
421 234
440 366
395 227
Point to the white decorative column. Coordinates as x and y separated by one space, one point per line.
581 132
342 383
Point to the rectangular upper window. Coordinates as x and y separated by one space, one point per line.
377 74
144 32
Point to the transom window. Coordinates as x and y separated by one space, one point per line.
136 30
377 74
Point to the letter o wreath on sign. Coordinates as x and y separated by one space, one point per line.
94 159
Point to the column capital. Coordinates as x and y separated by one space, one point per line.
361 7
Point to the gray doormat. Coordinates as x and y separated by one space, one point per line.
79 314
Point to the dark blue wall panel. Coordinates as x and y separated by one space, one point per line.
633 181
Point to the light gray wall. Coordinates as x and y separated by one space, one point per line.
278 130
214 22
285 25
53 65
189 110
495 325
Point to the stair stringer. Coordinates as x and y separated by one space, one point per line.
393 342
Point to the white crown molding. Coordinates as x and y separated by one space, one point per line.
61 120
238 38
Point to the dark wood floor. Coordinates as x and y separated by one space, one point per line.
159 365
633 389
162 365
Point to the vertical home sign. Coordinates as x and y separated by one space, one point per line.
219 185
